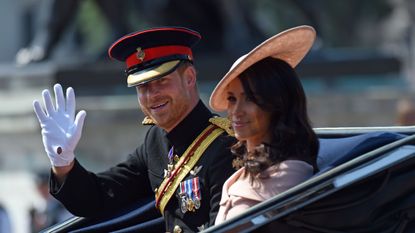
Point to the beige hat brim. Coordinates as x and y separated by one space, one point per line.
153 73
290 45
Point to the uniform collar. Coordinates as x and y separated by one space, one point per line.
188 129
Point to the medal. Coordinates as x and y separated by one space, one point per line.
196 192
176 158
183 206
170 166
189 193
170 155
167 173
197 203
183 198
190 205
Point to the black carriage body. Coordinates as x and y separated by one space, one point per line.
365 184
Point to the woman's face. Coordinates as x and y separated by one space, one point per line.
249 121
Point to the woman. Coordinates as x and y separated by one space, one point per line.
266 105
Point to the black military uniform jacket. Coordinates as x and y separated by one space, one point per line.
87 194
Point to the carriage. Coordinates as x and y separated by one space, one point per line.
365 184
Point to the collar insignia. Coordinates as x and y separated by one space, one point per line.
196 170
148 121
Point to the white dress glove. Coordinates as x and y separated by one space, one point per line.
60 131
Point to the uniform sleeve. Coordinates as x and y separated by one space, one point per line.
87 194
220 170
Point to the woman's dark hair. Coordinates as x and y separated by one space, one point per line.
276 88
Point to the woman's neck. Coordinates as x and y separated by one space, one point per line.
250 146
253 142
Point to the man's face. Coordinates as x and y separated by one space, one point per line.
167 100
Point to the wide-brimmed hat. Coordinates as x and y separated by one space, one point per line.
290 45
152 54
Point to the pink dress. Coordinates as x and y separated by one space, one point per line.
238 194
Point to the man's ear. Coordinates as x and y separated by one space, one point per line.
190 76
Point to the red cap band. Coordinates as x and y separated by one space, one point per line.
156 52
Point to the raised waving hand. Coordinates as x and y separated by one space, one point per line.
61 129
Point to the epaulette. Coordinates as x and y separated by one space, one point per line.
148 121
223 123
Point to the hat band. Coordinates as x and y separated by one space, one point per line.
149 54
153 63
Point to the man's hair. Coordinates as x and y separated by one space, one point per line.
184 64
274 86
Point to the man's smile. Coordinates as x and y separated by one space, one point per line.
159 106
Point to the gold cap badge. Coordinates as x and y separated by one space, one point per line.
140 54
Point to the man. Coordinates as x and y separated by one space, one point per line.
185 157
53 213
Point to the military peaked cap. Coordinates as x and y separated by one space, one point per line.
154 53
